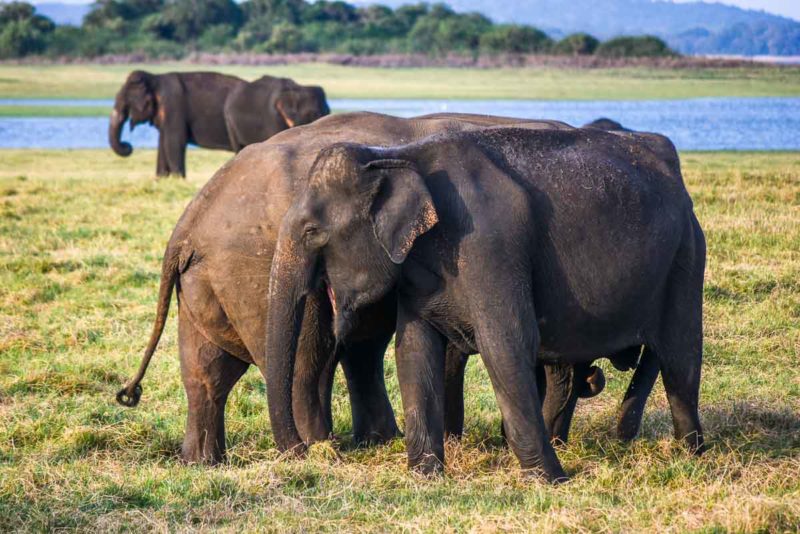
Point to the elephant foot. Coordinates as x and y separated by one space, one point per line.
428 465
193 452
378 433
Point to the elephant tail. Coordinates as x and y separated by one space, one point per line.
170 268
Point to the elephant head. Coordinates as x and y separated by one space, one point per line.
347 233
136 100
299 104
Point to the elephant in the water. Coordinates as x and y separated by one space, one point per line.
194 107
523 245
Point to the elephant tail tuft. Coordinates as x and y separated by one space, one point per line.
130 394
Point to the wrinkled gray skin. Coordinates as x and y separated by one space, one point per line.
258 110
523 245
219 258
210 110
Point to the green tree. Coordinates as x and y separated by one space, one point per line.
22 31
286 39
576 44
515 39
641 46
186 20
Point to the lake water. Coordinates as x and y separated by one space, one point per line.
692 124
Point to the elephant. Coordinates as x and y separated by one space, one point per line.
522 245
194 107
283 102
218 261
606 124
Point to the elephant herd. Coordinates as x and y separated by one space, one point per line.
210 110
540 246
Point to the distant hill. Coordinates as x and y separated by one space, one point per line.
59 13
691 28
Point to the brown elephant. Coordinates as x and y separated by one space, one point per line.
193 108
219 258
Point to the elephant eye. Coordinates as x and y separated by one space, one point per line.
310 230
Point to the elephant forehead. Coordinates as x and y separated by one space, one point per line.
336 165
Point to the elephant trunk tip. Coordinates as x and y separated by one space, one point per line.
130 395
120 147
124 149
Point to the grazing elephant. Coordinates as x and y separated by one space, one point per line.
523 245
186 107
219 258
258 110
194 107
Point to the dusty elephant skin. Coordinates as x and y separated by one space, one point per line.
219 259
210 110
561 244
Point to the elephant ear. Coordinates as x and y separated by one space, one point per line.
140 94
402 209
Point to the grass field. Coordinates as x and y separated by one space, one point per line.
103 81
81 236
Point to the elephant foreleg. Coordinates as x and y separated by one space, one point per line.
162 167
373 417
455 366
175 142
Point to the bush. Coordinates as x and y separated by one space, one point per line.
22 31
577 44
515 39
644 46
286 39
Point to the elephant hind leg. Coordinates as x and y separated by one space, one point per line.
680 338
209 373
644 377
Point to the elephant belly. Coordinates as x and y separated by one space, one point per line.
204 310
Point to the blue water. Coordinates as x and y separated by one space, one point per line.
693 124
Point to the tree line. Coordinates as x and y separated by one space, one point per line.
172 28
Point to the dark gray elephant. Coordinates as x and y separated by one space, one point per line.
185 107
210 110
258 110
526 246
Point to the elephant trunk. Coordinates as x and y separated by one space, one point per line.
118 117
284 320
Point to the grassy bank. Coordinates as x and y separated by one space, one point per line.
81 236
102 81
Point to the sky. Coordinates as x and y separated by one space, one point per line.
787 8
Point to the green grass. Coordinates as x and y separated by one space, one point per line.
81 237
53 111
102 81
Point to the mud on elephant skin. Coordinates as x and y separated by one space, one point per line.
490 248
